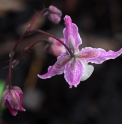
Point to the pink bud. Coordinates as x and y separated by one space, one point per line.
55 10
12 99
55 47
54 14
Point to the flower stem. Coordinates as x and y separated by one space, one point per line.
17 43
9 73
50 35
33 21
29 27
27 49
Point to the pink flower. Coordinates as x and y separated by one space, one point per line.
76 68
12 99
55 47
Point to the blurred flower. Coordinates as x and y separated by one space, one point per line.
76 68
54 14
12 99
55 47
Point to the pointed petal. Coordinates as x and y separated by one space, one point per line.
57 68
19 93
21 108
97 55
12 110
14 99
73 72
71 34
88 70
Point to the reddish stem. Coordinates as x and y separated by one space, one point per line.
33 21
17 43
50 35
27 49
28 29
10 72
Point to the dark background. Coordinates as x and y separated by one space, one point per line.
97 100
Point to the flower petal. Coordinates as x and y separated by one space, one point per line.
88 70
57 68
12 110
97 55
71 34
73 72
19 93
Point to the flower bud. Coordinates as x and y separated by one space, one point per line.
55 10
54 14
12 99
55 47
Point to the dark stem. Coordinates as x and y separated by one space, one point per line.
27 49
33 21
29 27
50 35
17 43
20 39
9 73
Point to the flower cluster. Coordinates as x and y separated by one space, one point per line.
71 61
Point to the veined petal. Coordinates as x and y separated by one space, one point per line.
88 70
97 55
73 72
57 68
19 92
71 31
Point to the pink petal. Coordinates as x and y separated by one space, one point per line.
14 99
21 96
97 55
19 92
12 110
57 68
71 30
73 72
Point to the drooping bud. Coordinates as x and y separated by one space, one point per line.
54 14
55 47
12 99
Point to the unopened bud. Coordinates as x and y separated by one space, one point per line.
12 99
55 47
55 10
54 14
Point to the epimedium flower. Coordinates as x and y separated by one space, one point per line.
12 99
54 47
75 66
